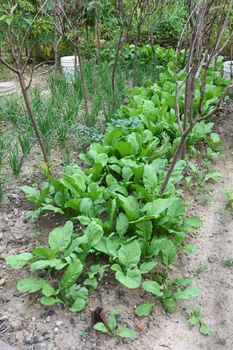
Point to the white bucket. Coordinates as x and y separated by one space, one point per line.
7 88
227 69
68 66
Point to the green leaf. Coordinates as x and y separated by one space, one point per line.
144 309
93 233
170 305
147 266
101 327
60 237
75 183
129 254
158 206
191 292
130 205
44 252
190 248
56 264
78 305
144 229
152 287
167 248
124 148
125 333
193 320
50 301
112 323
71 274
149 178
31 285
122 224
212 176
204 329
18 261
132 278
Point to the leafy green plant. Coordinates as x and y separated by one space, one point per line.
228 262
15 161
111 327
2 187
229 198
195 319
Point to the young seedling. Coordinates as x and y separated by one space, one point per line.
111 327
229 198
195 319
228 262
202 267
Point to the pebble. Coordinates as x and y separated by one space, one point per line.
31 340
72 322
59 323
41 346
2 282
33 319
56 330
48 319
212 258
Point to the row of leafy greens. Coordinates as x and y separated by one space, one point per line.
116 200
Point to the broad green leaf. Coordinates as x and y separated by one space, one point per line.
71 274
144 229
50 301
44 252
190 248
93 233
152 287
170 305
144 309
124 148
101 327
193 320
18 261
204 329
102 158
31 285
158 206
129 254
150 178
50 207
166 247
86 207
147 266
191 292
78 305
212 176
122 224
132 278
125 333
60 237
75 183
112 322
56 264
130 205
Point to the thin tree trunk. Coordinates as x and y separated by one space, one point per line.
56 43
97 32
32 117
83 83
119 44
135 63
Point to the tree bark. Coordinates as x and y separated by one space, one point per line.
32 117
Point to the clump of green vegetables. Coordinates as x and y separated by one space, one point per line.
117 202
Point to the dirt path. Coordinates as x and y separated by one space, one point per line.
27 325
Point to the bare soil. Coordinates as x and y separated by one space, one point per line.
25 324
